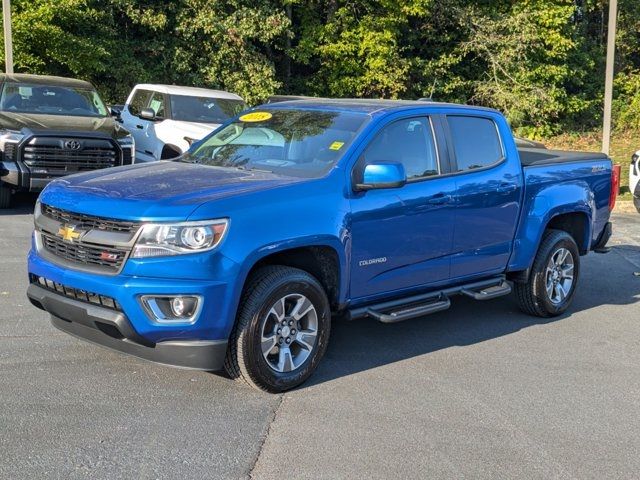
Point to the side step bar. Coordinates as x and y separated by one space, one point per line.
394 311
440 304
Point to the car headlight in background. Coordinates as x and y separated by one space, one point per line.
158 240
128 143
7 138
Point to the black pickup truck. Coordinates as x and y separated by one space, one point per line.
54 126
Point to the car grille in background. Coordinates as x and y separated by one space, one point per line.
50 153
75 293
107 258
88 222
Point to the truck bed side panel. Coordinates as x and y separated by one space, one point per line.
556 189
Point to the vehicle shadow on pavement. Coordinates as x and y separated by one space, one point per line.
360 345
21 204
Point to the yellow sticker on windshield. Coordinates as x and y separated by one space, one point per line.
255 117
336 145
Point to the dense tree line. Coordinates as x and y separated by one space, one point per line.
540 61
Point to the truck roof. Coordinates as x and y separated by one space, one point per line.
188 91
365 105
44 80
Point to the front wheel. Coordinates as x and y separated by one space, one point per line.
553 277
282 329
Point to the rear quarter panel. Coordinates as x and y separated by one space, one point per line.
556 189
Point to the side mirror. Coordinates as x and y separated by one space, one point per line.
382 175
147 114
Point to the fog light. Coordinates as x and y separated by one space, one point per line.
172 309
177 306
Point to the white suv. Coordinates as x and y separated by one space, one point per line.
166 119
634 179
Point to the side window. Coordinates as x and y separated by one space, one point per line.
410 142
475 140
157 104
139 101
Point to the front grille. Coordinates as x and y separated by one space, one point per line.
89 222
75 293
52 154
106 258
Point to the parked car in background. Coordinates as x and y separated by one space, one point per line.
238 253
51 127
166 119
634 179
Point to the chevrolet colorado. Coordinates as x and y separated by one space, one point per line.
237 254
54 126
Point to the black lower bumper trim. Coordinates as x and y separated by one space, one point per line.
112 329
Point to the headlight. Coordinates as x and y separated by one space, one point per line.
128 143
8 137
158 240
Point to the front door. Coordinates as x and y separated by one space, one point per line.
401 238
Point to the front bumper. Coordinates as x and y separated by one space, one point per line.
112 329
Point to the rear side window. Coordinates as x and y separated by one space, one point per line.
475 141
139 101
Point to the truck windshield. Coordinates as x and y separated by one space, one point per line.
204 109
299 143
51 100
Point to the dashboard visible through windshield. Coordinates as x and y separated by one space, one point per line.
299 143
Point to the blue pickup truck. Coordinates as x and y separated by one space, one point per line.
238 253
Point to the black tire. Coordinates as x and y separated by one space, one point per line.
5 196
245 360
532 295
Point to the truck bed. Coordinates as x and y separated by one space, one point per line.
539 156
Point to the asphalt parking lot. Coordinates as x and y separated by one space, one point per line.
479 391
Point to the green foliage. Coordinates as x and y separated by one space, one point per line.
539 61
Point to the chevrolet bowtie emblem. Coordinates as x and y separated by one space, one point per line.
68 233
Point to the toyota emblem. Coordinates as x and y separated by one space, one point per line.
72 145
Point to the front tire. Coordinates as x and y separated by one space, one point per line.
282 329
553 278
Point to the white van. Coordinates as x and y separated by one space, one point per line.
166 119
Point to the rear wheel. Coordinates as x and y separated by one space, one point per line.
552 281
282 329
5 195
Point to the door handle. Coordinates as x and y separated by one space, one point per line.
507 188
439 199
140 127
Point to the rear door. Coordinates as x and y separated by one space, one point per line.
401 238
488 190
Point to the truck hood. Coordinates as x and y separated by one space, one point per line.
192 129
35 122
158 191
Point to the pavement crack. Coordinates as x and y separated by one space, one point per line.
272 419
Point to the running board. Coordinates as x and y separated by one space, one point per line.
488 293
415 306
440 304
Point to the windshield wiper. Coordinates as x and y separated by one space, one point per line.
253 169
